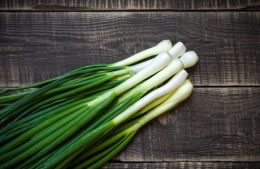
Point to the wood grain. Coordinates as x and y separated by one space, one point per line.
214 124
37 46
183 165
90 5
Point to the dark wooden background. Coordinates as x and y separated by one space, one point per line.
218 127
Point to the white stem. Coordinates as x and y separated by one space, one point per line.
153 104
172 84
140 66
163 46
176 51
159 63
174 67
182 93
189 59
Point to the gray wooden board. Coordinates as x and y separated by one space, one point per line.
183 165
214 124
82 5
40 45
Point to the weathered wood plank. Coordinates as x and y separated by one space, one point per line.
83 5
37 46
183 165
214 124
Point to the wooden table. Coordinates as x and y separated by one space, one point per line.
218 127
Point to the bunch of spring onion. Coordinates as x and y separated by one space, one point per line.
85 117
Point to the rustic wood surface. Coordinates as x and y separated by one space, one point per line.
217 127
37 46
90 5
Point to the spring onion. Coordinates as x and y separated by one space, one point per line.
51 123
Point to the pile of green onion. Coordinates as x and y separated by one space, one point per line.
85 117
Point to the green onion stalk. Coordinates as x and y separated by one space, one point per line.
29 111
89 137
67 121
15 106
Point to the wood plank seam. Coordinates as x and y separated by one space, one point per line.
80 5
